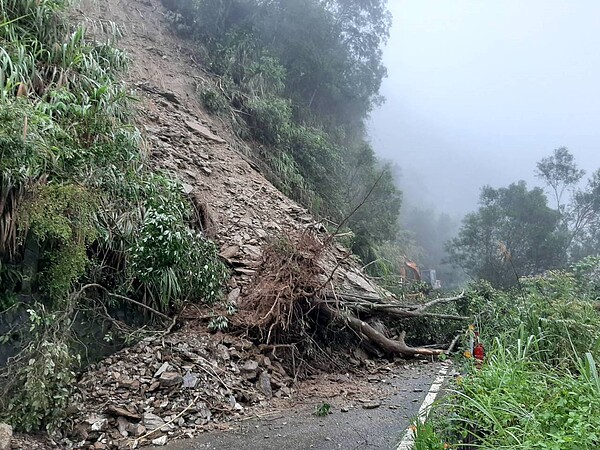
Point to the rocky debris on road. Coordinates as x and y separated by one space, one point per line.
33 442
171 386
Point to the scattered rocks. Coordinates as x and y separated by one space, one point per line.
264 385
250 370
373 404
188 380
161 370
170 379
122 412
152 421
160 441
203 131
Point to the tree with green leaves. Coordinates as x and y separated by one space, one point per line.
300 78
580 215
514 233
585 219
560 173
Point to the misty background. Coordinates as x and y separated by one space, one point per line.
478 92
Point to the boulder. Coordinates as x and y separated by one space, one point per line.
152 421
264 385
6 433
249 370
169 379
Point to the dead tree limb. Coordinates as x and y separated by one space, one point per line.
367 331
395 309
121 297
450 348
436 301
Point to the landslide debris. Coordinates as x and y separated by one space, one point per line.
171 387
189 381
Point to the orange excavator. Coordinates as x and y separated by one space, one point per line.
411 272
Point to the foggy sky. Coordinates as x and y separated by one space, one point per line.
478 91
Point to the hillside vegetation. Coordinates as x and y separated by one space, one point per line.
297 79
85 226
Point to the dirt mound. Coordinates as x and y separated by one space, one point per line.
192 381
173 385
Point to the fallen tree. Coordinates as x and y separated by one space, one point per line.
298 290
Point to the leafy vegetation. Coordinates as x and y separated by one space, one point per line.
299 79
78 205
516 233
322 410
539 385
513 233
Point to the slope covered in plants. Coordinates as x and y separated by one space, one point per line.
84 223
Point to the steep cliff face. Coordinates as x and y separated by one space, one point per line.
238 206
191 380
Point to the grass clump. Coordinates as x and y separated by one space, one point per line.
539 386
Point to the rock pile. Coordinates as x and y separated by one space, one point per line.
245 212
169 387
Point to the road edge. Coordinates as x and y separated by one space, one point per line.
408 439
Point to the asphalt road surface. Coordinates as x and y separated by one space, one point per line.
380 428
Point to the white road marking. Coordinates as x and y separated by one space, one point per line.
408 440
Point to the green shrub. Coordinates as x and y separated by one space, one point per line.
171 261
213 100
553 308
270 119
38 388
539 386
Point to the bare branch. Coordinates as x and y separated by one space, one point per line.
120 297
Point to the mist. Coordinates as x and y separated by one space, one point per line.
478 92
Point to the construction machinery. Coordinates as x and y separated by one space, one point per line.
411 272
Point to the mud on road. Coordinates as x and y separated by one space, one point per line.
354 424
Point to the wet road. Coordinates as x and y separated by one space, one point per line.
380 428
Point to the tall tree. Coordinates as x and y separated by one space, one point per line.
513 233
585 219
560 173
580 216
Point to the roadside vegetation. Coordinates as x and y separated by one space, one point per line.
88 234
539 386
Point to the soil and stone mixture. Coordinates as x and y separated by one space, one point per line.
191 381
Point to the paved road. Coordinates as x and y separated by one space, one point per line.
374 429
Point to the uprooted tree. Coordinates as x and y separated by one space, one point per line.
297 294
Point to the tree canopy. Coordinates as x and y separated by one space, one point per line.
513 233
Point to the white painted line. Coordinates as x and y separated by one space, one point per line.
408 440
